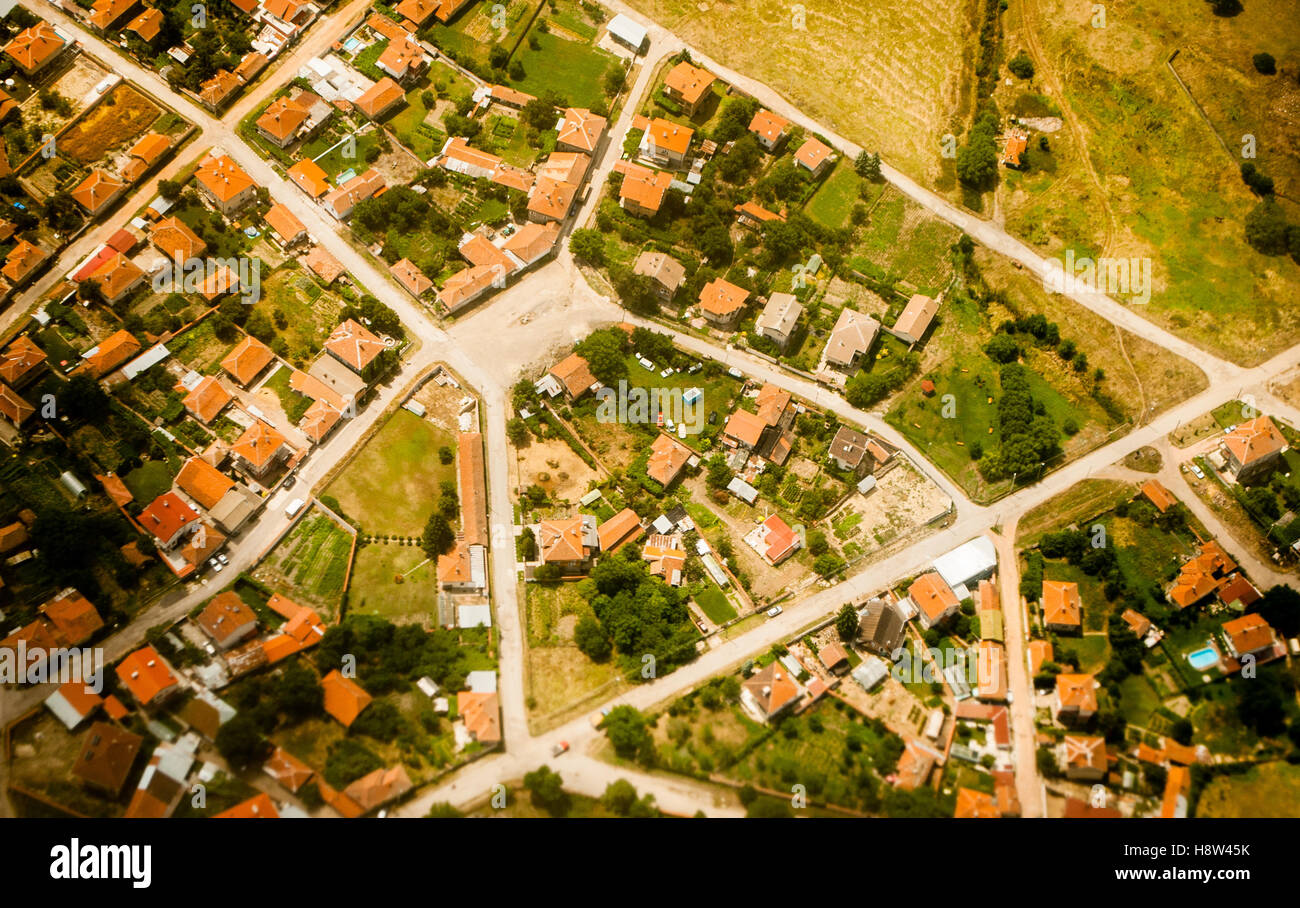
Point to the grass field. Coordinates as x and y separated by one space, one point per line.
1079 502
149 480
714 603
391 486
374 589
1266 790
576 71
833 201
309 313
293 403
903 239
890 80
1175 194
560 677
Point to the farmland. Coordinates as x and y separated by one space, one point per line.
310 563
121 117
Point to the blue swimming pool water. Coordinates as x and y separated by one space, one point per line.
351 44
1203 658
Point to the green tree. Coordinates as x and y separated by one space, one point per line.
546 790
438 538
241 743
867 166
846 623
588 244
591 639
518 433
626 729
619 797
1021 65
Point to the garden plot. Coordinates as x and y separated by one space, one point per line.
310 563
902 501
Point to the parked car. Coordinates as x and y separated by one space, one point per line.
559 748
216 565
288 481
294 507
223 559
1199 473
774 611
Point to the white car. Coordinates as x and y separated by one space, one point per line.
223 559
216 565
667 372
1198 472
774 611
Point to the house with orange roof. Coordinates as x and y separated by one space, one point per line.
169 518
975 805
147 677
381 99
754 216
1075 699
991 672
108 354
309 177
481 713
459 157
287 769
814 156
769 692
1040 653
479 250
21 362
666 143
1178 784
403 59
73 703
285 226
689 86
456 569
107 15
318 420
1201 575
172 237
580 130
225 184
363 186
643 190
722 302
22 262
117 277
73 616
247 360
769 128
574 376
12 536
228 620
417 11
774 540
568 543
258 807
13 406
1253 448
345 699
623 527
510 97
1238 592
1014 145
934 600
218 90
1137 622
323 265
532 242
98 191
550 200
203 483
259 449
1084 758
304 629
1250 636
668 457
354 345
1062 607
35 48
1158 495
472 484
467 285
449 8
293 118
565 167
147 26
377 788
251 66
144 154
666 554
743 430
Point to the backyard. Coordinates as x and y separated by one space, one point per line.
309 565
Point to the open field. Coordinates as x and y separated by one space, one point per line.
573 69
375 590
1266 790
890 80
121 117
559 675
1175 192
904 240
1079 502
391 486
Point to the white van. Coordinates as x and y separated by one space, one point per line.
294 507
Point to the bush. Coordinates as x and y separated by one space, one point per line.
1264 63
1021 66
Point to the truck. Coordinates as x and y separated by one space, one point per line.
294 507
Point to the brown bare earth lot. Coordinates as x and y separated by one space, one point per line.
902 502
122 116
889 75
554 466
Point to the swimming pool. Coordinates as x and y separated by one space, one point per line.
351 44
1203 658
